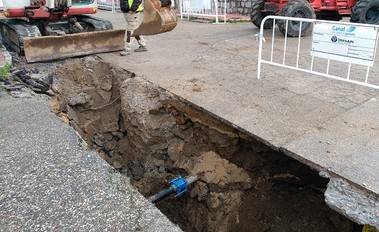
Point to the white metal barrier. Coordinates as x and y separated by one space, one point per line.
113 5
309 67
203 8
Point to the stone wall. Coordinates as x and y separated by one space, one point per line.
238 6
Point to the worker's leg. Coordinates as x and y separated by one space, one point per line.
142 44
129 18
128 44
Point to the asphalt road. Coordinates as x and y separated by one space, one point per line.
49 180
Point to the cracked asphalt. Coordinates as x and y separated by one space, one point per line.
50 181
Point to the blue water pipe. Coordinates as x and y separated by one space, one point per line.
178 186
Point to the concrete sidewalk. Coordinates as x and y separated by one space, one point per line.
48 181
328 125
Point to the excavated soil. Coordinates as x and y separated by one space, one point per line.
153 136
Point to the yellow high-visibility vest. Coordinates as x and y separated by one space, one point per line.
140 7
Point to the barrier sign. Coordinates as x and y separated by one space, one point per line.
200 5
347 43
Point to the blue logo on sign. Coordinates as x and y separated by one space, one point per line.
344 29
334 38
351 29
338 28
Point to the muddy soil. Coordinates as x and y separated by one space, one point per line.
28 80
153 136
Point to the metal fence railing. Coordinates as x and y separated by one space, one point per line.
203 8
339 50
113 5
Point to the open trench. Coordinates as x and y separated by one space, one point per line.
153 136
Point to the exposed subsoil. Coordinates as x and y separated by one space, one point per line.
153 136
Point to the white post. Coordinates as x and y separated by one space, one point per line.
113 6
298 45
260 38
367 73
216 6
51 4
225 11
285 43
181 9
272 40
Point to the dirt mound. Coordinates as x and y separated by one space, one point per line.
213 169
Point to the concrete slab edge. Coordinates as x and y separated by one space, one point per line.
347 198
359 206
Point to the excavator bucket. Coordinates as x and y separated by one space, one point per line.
157 19
47 48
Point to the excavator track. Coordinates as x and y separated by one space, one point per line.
13 32
95 23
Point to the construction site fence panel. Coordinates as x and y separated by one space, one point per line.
341 51
112 5
212 9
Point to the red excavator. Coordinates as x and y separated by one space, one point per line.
360 11
55 29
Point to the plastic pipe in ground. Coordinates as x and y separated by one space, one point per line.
179 186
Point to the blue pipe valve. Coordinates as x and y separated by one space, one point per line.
180 185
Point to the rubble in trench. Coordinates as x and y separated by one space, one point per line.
153 136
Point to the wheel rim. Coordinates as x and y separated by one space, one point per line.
372 15
296 24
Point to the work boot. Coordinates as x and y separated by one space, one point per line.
141 49
125 52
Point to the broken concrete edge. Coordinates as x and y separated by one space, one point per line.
346 197
359 194
352 202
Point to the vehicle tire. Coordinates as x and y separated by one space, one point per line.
299 9
365 11
257 15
